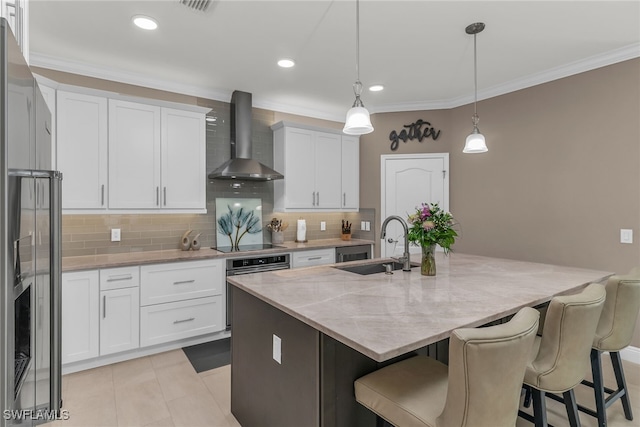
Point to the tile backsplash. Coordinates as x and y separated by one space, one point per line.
91 234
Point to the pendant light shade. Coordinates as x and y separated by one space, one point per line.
358 121
475 141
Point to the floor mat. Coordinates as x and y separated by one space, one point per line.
209 355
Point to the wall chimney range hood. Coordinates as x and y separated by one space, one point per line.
241 166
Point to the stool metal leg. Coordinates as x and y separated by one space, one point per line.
598 387
622 384
572 408
539 408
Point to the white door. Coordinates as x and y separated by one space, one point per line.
408 181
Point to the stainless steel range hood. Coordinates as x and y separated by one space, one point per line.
241 165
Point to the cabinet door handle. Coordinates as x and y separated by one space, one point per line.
184 282
314 258
164 191
313 198
191 319
318 199
102 195
157 196
104 306
119 278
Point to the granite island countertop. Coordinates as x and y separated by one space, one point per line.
92 262
383 316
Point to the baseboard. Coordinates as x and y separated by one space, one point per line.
631 354
140 352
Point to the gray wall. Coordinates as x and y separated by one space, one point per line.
561 178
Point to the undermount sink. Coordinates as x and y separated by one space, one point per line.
366 269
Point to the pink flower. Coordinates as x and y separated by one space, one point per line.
428 225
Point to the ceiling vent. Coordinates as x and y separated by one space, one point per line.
197 5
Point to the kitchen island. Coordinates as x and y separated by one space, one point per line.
326 327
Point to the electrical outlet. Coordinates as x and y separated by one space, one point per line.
363 226
115 234
626 235
277 349
323 226
368 225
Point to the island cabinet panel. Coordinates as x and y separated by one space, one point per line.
263 391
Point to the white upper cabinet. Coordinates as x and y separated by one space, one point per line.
134 155
320 167
120 155
82 150
350 172
49 95
327 170
183 159
17 14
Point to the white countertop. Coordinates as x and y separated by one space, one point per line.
383 316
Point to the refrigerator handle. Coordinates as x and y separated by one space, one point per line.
55 224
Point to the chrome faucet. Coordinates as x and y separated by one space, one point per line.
405 257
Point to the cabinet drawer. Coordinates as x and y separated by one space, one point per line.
119 278
180 281
314 257
177 320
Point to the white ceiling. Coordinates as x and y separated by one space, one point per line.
417 49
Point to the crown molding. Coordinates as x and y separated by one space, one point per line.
612 57
609 58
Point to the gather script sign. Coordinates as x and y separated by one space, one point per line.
419 130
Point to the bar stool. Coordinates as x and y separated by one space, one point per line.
481 386
561 354
614 333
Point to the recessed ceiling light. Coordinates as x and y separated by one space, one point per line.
376 88
145 22
286 63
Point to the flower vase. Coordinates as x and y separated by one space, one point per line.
428 265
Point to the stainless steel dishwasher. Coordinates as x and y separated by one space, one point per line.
353 253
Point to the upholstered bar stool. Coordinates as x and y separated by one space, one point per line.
560 357
481 386
614 333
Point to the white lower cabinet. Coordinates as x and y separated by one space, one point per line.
80 316
313 257
119 309
181 300
115 310
172 321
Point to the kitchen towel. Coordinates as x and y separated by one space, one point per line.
302 231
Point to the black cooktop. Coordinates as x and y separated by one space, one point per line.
245 248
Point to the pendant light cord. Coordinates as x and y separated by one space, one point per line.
358 40
475 77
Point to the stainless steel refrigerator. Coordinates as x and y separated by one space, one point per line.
30 273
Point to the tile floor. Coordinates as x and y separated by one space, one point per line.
165 390
159 390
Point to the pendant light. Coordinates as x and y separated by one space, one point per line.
358 121
475 141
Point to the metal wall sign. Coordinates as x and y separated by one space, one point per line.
419 130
